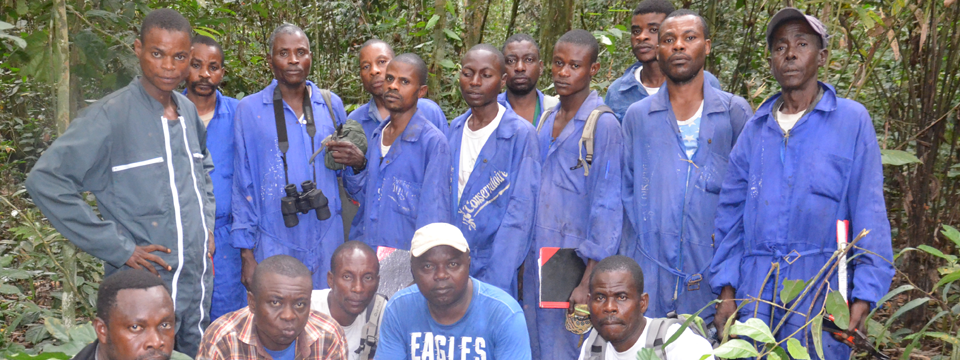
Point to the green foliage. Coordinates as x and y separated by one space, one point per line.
837 307
897 157
753 328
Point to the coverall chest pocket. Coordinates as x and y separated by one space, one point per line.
403 196
714 169
831 176
569 176
135 186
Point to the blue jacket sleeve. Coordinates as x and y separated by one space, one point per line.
355 183
243 199
513 341
432 112
392 339
603 186
725 267
435 189
627 171
515 236
872 272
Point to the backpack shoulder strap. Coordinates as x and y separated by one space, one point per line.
374 314
589 135
598 347
327 95
543 117
657 334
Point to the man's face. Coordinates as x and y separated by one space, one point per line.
523 66
354 282
403 87
795 54
291 58
616 307
141 325
373 64
481 78
206 70
164 57
644 30
442 274
281 307
572 68
683 48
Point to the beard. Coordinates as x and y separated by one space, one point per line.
195 86
681 76
522 90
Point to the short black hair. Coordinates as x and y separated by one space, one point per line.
375 41
418 65
685 12
620 263
515 38
209 41
493 50
285 265
285 29
350 246
581 37
123 280
167 19
654 7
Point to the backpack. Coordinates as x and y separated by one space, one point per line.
368 343
656 336
586 139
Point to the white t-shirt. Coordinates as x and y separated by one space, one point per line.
787 121
471 144
687 346
352 333
650 90
384 149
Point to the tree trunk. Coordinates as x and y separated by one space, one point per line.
474 21
556 17
61 52
439 44
513 18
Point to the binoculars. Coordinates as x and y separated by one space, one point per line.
310 199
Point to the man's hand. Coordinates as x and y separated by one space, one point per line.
247 265
725 309
211 246
346 153
859 310
580 295
142 258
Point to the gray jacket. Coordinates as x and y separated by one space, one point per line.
150 176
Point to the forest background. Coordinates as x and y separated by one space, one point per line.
899 58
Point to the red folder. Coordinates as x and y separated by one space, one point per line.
560 272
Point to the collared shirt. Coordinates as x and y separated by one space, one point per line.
368 115
234 337
544 103
626 90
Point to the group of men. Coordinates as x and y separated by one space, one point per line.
668 178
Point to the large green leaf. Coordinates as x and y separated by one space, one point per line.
8 289
433 21
837 307
897 157
55 327
816 334
735 349
791 289
797 351
452 35
954 276
906 307
936 252
41 356
951 233
755 329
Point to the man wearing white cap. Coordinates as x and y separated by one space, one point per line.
450 315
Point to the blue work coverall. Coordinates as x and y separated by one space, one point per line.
670 200
405 189
495 211
369 116
780 203
502 99
626 90
229 294
259 180
573 211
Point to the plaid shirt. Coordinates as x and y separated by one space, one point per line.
234 337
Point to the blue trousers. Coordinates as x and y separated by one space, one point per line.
229 294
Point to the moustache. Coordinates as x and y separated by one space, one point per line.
612 321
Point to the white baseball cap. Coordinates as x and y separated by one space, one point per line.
436 234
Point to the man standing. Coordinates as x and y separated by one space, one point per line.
579 204
352 298
496 167
142 152
271 170
617 311
403 182
217 111
807 160
135 318
524 66
450 315
644 78
278 324
675 148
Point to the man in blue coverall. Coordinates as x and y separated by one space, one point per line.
524 66
644 78
496 173
217 111
262 170
806 160
574 209
403 182
676 145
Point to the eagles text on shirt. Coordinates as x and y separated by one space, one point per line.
426 346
